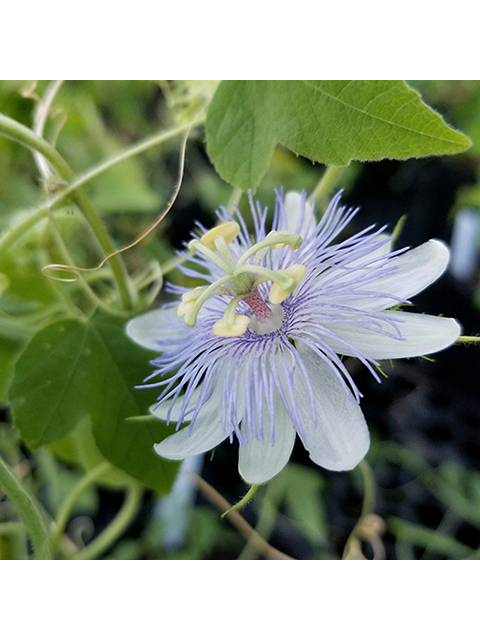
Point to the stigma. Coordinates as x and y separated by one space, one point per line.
241 279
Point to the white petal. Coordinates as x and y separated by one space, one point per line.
207 430
341 439
259 461
206 434
422 334
293 210
161 412
416 270
180 445
159 324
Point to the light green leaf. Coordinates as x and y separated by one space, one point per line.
328 121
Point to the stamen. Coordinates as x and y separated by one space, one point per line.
278 293
191 317
196 245
222 247
229 315
238 328
274 238
280 245
280 275
188 301
228 230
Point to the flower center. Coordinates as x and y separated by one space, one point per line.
241 280
268 324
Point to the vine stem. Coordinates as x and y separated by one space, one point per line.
19 230
28 510
326 183
40 116
26 137
236 519
115 529
66 509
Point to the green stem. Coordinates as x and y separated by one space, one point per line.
234 198
66 509
11 528
26 137
115 529
468 339
326 183
245 500
14 234
28 510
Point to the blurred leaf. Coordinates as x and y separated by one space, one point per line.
423 537
26 286
58 481
9 352
206 531
72 369
327 121
459 489
79 447
123 189
304 502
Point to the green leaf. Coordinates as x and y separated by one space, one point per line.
328 121
73 369
123 429
52 384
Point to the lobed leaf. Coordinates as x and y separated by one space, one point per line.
73 369
328 121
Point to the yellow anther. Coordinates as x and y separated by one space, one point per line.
188 301
193 294
237 328
296 271
184 307
228 231
277 294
